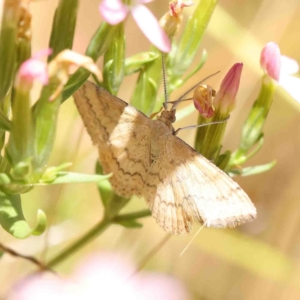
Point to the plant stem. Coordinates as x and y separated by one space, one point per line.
132 216
92 234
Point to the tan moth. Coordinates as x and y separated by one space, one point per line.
149 161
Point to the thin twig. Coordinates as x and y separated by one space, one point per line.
32 259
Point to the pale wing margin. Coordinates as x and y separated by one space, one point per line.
197 188
121 133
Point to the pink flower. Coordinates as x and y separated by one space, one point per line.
115 11
225 98
203 100
32 69
270 60
105 276
281 68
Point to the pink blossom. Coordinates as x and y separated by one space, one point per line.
281 68
203 100
32 69
115 11
270 60
105 276
225 98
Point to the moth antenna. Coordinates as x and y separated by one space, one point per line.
201 125
189 243
164 79
182 100
189 90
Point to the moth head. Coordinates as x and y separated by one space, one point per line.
168 115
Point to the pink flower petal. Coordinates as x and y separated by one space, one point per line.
104 276
34 68
42 53
143 1
150 27
225 97
270 60
113 11
41 287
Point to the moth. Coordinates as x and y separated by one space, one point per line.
149 161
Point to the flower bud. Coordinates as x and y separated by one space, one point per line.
270 60
224 101
32 69
171 21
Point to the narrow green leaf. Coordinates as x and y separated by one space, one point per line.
136 62
12 218
45 114
146 89
51 173
248 171
240 156
70 177
113 62
192 36
63 27
223 159
101 40
252 129
149 81
20 144
5 123
75 81
8 39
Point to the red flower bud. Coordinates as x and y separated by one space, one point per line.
225 97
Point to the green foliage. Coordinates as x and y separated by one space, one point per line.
63 28
12 218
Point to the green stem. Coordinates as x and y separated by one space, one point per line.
132 216
92 234
95 232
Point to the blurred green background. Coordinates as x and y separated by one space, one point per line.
260 260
